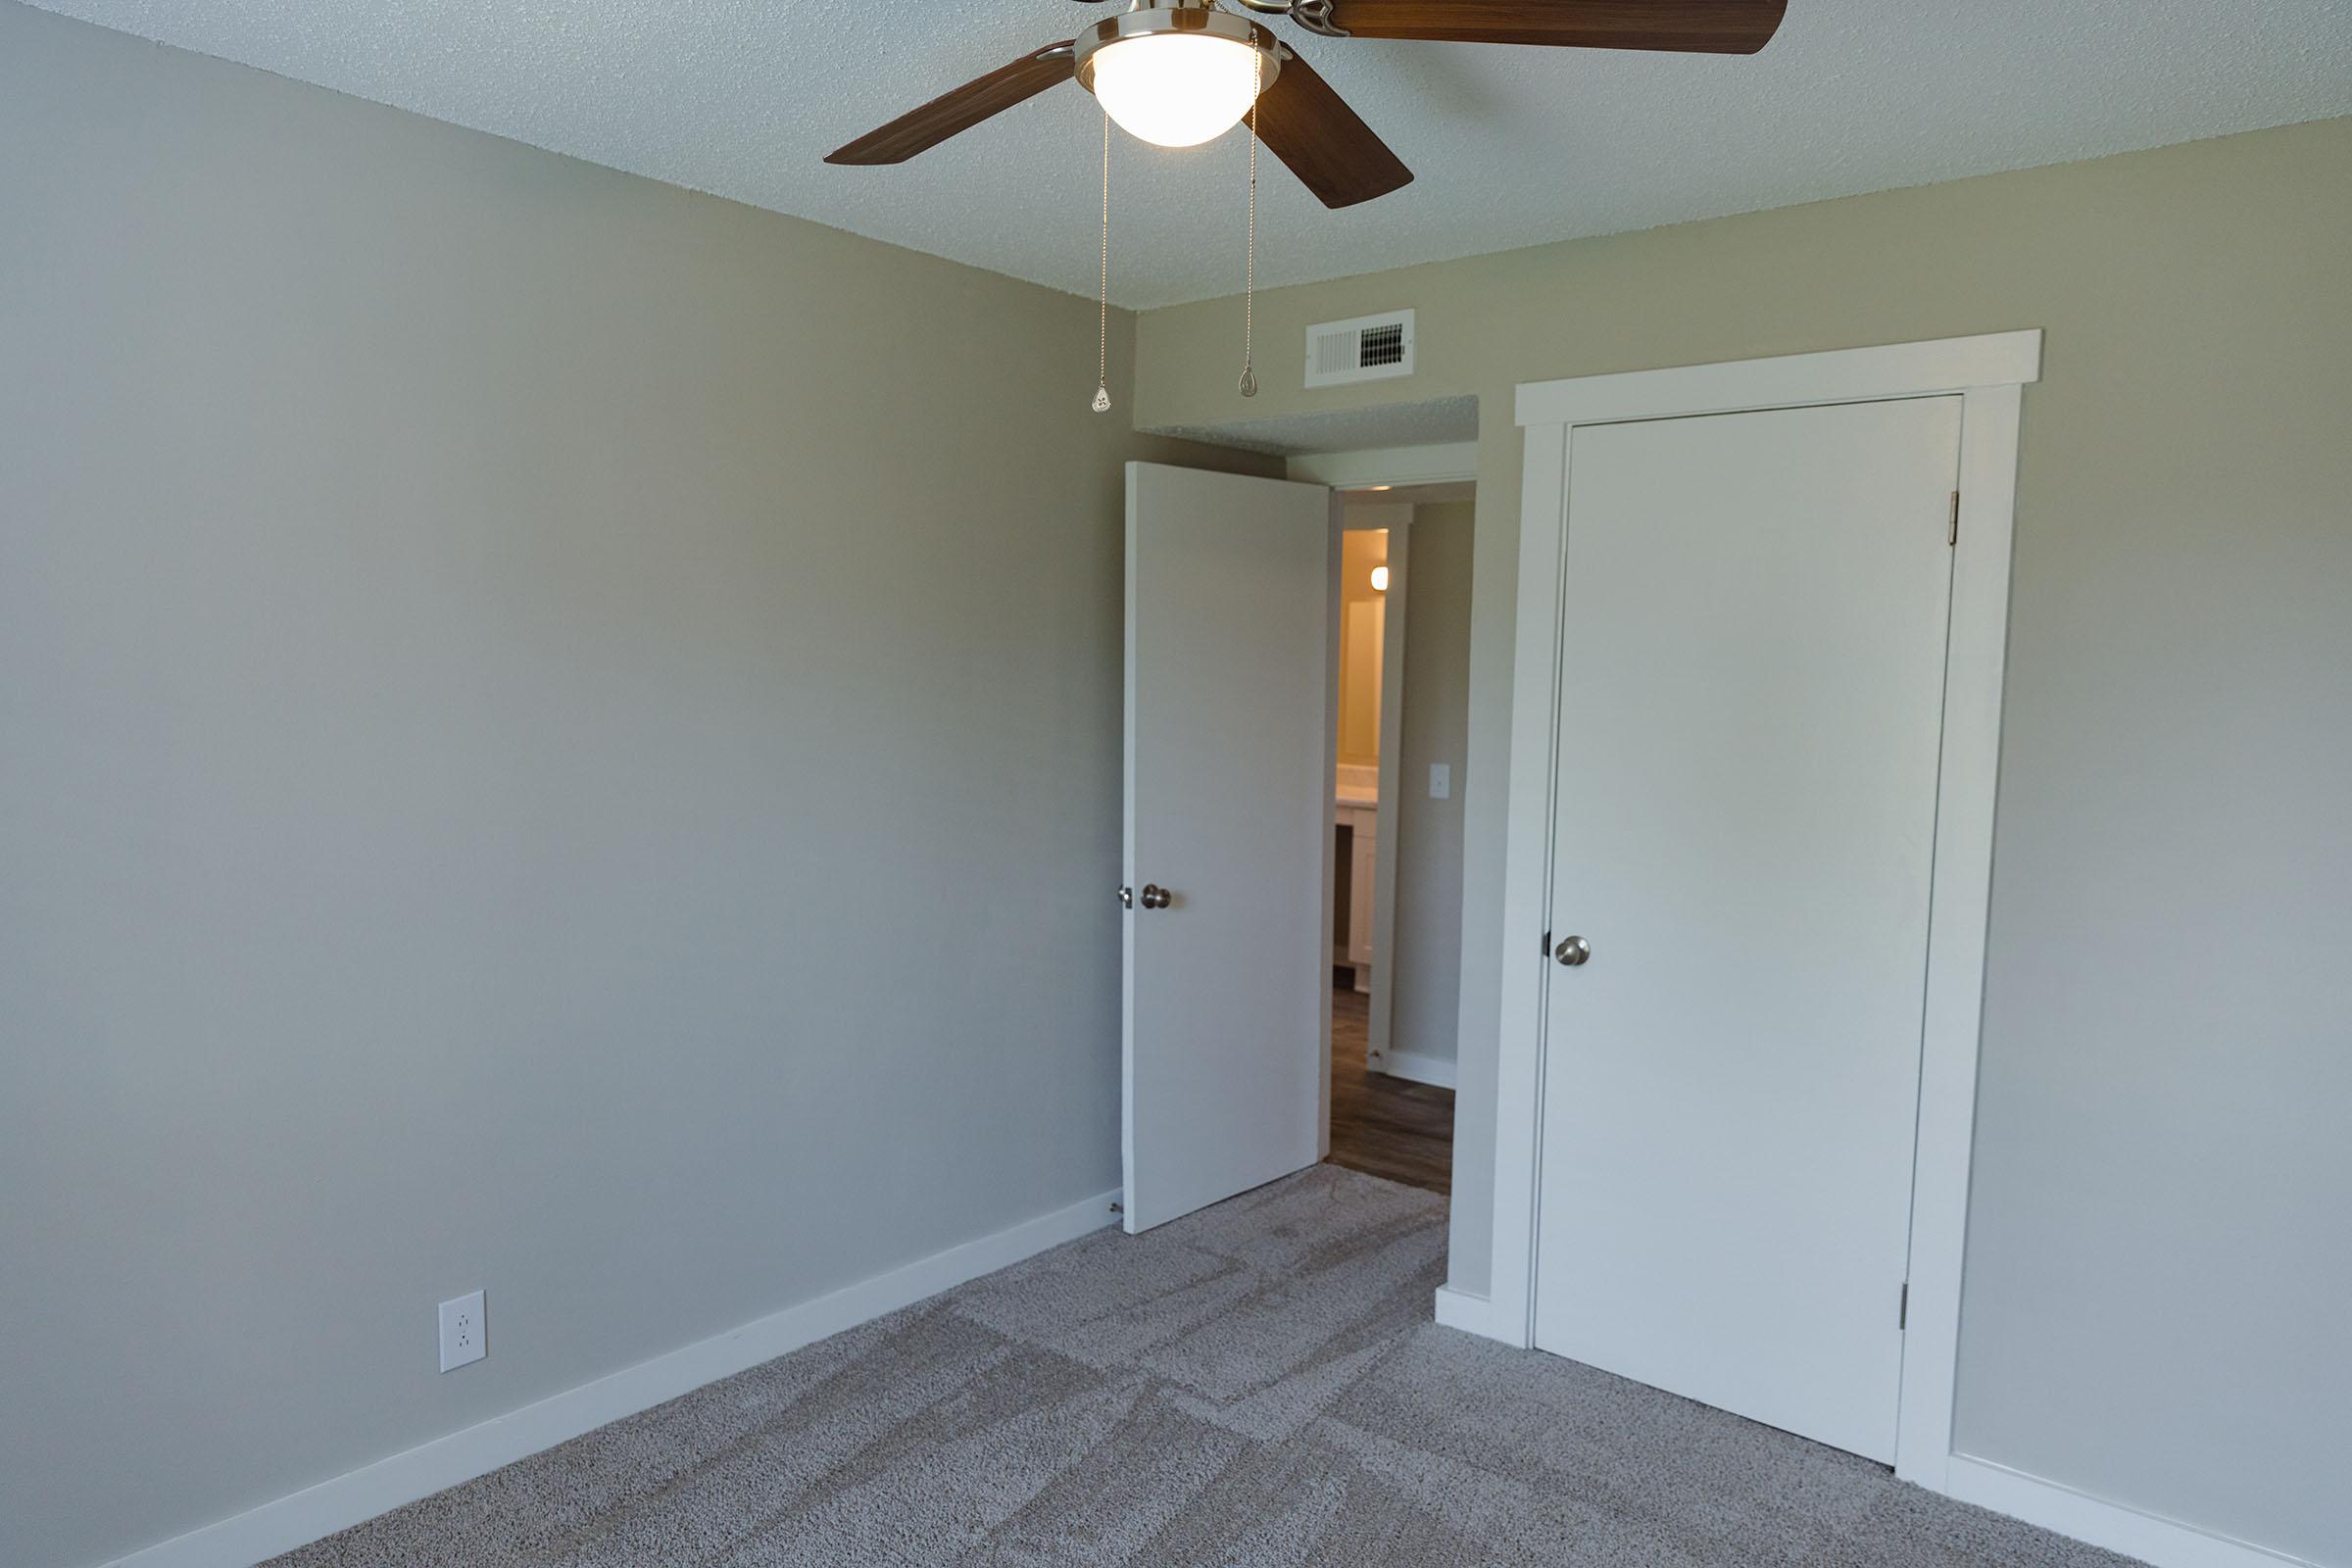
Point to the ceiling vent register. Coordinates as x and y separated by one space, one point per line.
1369 348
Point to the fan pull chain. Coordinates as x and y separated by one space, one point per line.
1101 403
1250 248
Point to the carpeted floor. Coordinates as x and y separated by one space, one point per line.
1259 1385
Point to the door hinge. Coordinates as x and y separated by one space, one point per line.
1952 537
1902 1308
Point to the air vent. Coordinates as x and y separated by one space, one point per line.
1370 348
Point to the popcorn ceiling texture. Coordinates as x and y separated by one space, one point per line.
1512 146
1432 422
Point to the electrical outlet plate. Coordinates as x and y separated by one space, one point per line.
465 1334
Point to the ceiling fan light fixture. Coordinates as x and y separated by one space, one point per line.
1176 89
1177 75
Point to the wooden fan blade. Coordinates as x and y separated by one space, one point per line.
943 117
1684 26
1311 128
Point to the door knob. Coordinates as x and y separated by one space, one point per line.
1155 897
1573 950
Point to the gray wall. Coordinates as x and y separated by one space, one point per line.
556 734
1428 838
2158 1242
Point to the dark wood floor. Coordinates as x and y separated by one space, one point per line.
1380 1125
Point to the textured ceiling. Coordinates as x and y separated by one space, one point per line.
1513 146
1435 421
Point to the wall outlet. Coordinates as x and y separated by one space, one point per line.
1441 781
464 1336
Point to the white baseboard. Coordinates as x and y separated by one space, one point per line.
2152 1538
2161 1541
1459 1310
302 1517
1420 1069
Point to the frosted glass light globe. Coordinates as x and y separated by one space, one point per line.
1176 89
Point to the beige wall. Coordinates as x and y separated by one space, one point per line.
2157 1237
488 645
1427 839
550 740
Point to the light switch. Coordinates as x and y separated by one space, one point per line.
1441 781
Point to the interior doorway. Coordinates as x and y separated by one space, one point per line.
1401 614
1248 1051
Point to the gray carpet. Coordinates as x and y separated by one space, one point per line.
1259 1385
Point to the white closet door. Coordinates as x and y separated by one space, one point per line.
1229 799
1750 717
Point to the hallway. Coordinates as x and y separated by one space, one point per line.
1384 1126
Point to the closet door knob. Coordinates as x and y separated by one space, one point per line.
1155 897
1573 950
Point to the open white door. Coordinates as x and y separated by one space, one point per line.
1227 996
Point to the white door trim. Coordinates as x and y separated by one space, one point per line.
1987 372
1843 375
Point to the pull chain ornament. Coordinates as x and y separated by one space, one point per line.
1101 403
1248 381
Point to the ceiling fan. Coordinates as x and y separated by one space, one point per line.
1177 73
